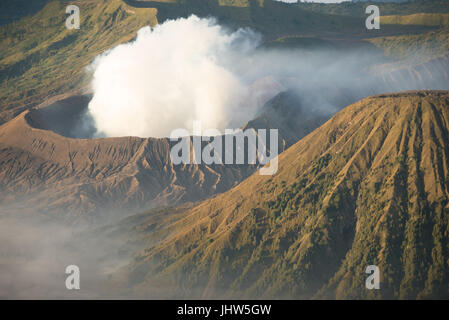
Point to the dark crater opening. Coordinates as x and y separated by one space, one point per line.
68 117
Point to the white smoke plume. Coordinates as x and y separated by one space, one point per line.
193 69
168 77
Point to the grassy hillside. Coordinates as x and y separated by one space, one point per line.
386 8
40 58
423 19
88 181
417 48
368 187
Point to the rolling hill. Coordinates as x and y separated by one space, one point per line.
423 19
368 187
87 180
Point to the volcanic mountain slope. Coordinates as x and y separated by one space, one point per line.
78 179
369 187
44 169
40 58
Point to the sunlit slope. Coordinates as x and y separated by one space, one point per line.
369 187
416 48
43 168
386 8
81 181
423 19
40 57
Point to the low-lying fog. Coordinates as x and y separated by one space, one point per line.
35 252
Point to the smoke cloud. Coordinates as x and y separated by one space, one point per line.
178 72
193 69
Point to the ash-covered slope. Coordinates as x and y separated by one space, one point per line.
84 180
369 187
45 167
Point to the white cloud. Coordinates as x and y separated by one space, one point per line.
169 76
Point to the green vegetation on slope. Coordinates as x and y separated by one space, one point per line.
40 57
368 187
423 19
417 48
